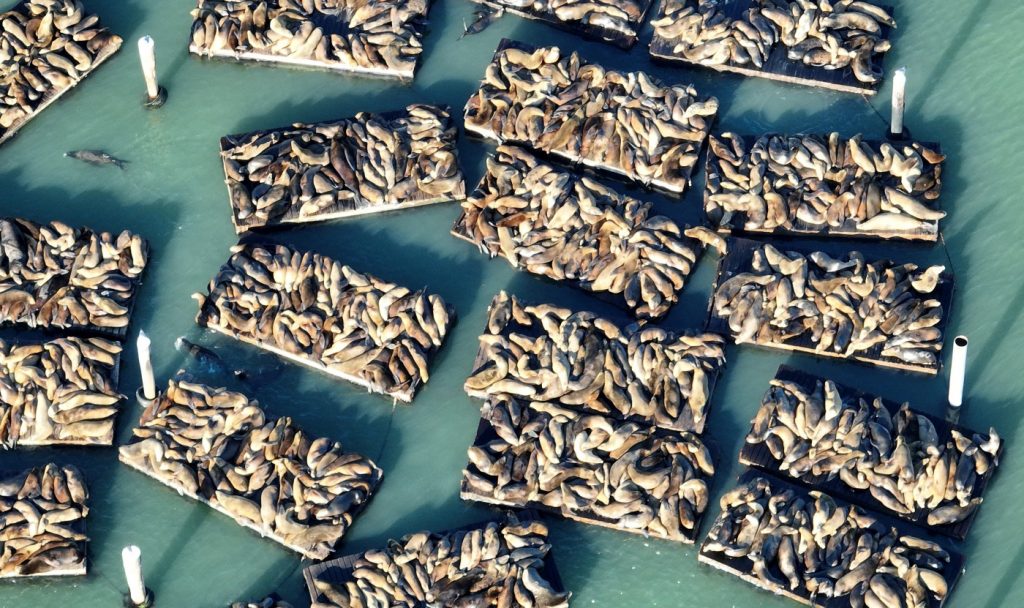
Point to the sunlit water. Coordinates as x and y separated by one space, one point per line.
965 88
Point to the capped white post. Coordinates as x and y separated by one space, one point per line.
146 367
155 94
957 371
131 556
899 100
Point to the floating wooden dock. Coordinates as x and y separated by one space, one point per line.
107 46
675 350
433 145
630 248
759 456
741 568
737 221
76 525
777 66
159 425
624 37
37 296
339 571
684 146
216 34
486 434
231 278
738 260
108 382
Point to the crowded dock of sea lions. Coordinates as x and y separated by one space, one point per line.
589 468
614 22
365 164
587 363
625 123
318 312
500 563
832 44
823 185
43 512
46 48
56 277
554 224
220 448
881 455
823 552
60 392
381 38
877 312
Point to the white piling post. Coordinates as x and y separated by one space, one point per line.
957 371
146 367
899 100
155 94
131 556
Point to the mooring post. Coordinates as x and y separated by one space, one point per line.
899 101
956 378
148 391
155 94
138 595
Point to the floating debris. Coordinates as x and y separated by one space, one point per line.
626 123
383 38
497 564
56 277
589 468
365 164
806 184
884 456
270 602
835 45
880 312
62 392
584 362
49 46
43 512
312 310
551 223
823 552
613 22
220 448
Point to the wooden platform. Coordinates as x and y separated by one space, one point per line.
777 66
403 396
737 222
481 358
578 161
619 38
339 571
759 456
335 211
738 260
741 567
53 94
485 433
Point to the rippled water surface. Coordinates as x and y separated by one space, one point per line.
965 91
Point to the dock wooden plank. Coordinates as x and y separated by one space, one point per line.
742 568
623 38
736 221
777 66
738 260
111 43
759 456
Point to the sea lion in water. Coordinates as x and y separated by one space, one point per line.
481 20
208 359
97 158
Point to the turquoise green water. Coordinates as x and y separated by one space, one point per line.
962 93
